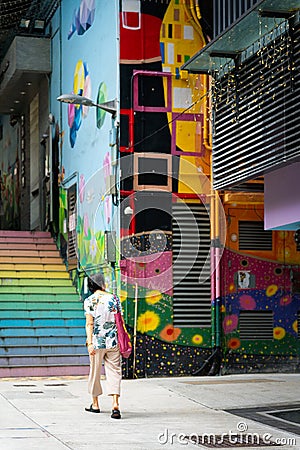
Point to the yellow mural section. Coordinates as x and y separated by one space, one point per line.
181 37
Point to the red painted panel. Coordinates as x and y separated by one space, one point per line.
142 43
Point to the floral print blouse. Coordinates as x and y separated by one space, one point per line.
103 306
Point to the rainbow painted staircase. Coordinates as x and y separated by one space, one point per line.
42 325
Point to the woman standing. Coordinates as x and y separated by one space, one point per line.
102 343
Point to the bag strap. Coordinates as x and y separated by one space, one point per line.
117 300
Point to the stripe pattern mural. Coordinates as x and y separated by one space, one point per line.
41 320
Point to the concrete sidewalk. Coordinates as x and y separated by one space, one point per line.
48 413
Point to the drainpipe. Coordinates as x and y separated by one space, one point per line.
215 234
212 364
217 270
217 253
190 12
212 263
199 16
135 329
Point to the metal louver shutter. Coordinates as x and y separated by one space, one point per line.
252 236
256 117
226 12
256 325
72 239
191 259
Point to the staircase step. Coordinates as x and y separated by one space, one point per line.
27 246
31 274
43 340
39 323
15 240
28 234
36 290
42 314
30 260
37 297
45 360
32 267
45 371
59 331
30 253
35 282
38 306
38 350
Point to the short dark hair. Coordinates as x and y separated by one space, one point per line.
96 282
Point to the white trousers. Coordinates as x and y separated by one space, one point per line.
113 371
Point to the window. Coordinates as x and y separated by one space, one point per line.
152 171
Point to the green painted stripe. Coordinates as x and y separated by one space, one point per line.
36 290
53 314
37 297
39 306
35 282
40 323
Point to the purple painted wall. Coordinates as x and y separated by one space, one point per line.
282 198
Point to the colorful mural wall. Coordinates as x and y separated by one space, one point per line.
88 48
260 281
164 121
163 114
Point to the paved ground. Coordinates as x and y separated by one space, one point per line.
48 413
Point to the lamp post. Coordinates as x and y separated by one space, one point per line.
110 106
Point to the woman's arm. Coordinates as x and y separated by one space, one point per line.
89 326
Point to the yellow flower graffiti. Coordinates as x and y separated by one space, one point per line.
295 326
231 287
278 333
271 290
153 297
197 339
148 321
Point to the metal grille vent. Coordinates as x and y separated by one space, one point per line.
191 250
72 240
228 11
256 116
252 236
256 325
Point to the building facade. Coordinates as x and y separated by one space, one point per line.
254 65
133 191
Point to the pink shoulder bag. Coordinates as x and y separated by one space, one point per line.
123 336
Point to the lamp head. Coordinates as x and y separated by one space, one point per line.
110 106
75 99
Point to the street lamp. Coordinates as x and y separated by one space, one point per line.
110 106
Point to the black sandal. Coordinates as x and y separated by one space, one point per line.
91 409
115 414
